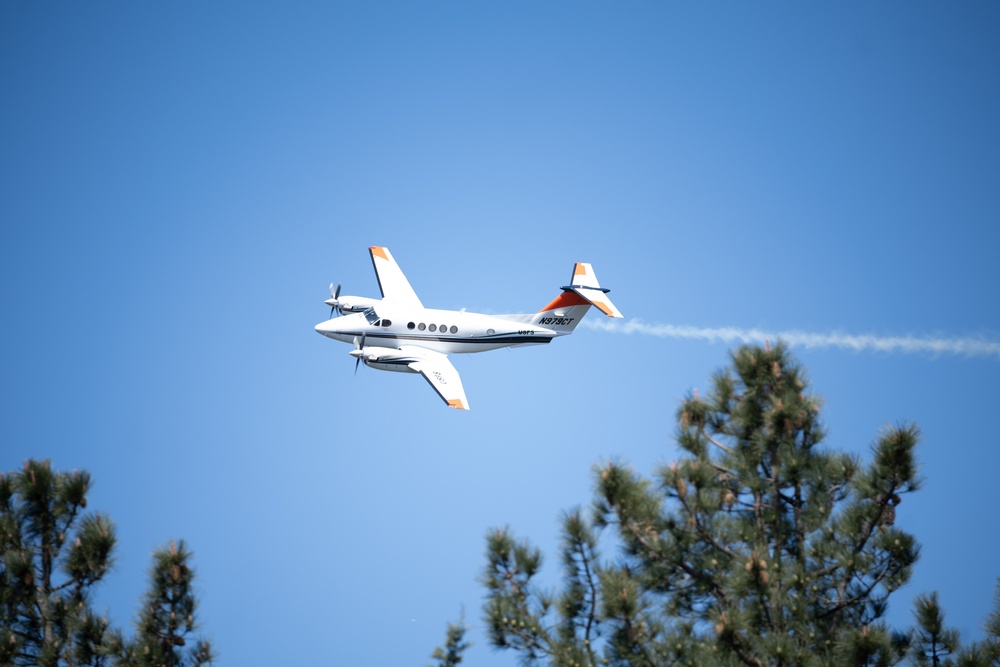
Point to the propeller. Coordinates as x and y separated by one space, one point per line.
358 351
334 302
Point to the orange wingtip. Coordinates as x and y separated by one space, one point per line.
457 403
565 300
604 309
378 251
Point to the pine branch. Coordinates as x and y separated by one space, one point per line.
712 440
592 607
705 533
643 649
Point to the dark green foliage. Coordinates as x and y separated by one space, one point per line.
936 645
52 554
450 654
933 644
991 644
167 618
990 648
560 629
758 547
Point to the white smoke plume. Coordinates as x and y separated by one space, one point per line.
970 347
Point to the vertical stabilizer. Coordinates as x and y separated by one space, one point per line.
564 312
584 276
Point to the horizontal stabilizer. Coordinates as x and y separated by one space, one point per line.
586 285
598 299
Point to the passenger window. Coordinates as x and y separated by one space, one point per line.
410 325
432 327
453 329
421 326
386 323
443 327
490 332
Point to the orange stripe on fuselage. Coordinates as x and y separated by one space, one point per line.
378 251
565 300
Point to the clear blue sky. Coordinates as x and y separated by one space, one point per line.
181 181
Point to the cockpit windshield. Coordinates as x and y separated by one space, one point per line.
370 315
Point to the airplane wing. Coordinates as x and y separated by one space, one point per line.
440 374
393 284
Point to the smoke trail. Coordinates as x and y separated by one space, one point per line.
970 347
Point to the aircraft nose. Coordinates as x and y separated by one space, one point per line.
325 328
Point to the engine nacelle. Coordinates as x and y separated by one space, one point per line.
352 304
396 368
385 359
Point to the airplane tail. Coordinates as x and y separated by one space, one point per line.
564 312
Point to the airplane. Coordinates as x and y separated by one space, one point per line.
397 333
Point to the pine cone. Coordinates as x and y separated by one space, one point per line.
889 515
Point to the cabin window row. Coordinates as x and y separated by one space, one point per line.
443 328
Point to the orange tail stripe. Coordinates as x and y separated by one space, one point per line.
565 300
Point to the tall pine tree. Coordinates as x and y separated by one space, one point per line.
758 547
168 616
991 644
52 554
450 655
933 643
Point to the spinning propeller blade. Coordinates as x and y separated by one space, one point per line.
359 348
335 306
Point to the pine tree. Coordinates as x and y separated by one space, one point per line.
934 644
168 616
991 643
758 547
52 554
450 655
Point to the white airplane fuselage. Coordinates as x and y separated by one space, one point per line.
445 331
